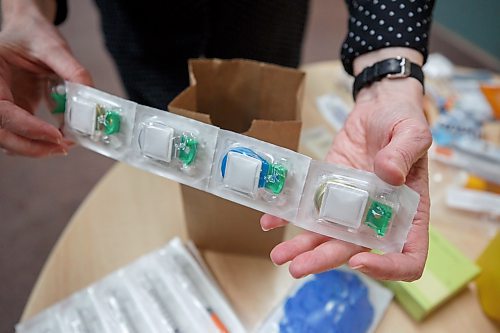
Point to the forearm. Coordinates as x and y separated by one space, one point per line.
383 29
14 8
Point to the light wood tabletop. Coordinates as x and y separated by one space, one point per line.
131 212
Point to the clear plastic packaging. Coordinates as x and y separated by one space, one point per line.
119 308
44 322
348 204
78 314
164 291
258 174
164 303
56 99
99 121
172 146
200 293
356 206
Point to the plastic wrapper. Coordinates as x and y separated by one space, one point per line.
78 314
357 207
165 304
340 300
259 175
200 292
99 121
45 322
164 291
172 146
122 313
354 206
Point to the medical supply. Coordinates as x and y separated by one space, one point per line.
339 300
356 206
172 146
44 322
340 202
99 121
259 175
164 291
446 272
78 314
57 94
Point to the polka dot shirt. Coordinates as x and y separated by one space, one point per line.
375 24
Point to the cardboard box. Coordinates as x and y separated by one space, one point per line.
260 100
446 272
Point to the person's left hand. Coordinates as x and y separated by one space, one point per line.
386 133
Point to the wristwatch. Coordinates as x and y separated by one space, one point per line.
393 68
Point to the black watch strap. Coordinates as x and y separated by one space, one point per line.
393 68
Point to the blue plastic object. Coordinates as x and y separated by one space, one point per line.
272 176
248 152
333 301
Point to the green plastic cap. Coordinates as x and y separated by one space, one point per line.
276 177
60 102
187 149
378 217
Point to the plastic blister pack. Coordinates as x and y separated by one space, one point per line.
351 205
356 206
115 301
78 314
258 174
99 121
173 146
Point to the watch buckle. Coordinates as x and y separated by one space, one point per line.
405 66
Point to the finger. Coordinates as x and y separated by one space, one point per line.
16 120
17 145
290 249
325 256
391 266
269 222
64 64
408 144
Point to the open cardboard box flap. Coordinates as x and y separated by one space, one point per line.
259 100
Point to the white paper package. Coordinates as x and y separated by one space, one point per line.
340 202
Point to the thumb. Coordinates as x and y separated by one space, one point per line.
408 144
64 64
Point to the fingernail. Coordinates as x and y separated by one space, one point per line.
58 151
358 267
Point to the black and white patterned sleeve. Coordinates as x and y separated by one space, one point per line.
375 24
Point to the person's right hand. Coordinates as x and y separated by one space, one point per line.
31 51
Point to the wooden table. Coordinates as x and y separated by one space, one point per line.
131 212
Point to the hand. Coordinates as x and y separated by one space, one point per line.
31 51
385 133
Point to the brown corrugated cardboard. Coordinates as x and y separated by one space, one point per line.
260 100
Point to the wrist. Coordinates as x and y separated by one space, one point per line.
370 58
408 88
13 9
